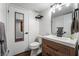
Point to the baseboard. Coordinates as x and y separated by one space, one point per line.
25 53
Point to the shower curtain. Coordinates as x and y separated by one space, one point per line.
75 21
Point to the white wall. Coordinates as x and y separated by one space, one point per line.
3 12
33 26
45 22
62 21
30 25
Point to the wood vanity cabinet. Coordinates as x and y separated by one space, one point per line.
50 48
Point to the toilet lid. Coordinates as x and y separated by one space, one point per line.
34 43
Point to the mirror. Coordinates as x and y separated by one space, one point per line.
19 26
62 18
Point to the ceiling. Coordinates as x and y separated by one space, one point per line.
34 6
43 6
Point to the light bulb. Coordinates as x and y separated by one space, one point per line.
53 10
59 8
67 5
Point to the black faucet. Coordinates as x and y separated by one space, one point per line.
60 31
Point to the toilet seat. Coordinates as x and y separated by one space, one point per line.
34 45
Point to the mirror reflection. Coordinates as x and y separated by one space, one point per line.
19 21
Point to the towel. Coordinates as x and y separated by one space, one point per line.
75 22
3 48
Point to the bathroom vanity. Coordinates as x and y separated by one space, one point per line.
59 46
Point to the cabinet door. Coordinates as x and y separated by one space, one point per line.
47 51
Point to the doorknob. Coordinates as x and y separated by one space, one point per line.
26 32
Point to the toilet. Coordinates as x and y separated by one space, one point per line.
36 47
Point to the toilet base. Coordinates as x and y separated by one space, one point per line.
35 52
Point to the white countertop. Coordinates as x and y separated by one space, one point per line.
61 40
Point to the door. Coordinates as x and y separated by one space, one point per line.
21 46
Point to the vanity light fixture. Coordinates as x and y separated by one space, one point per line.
58 6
